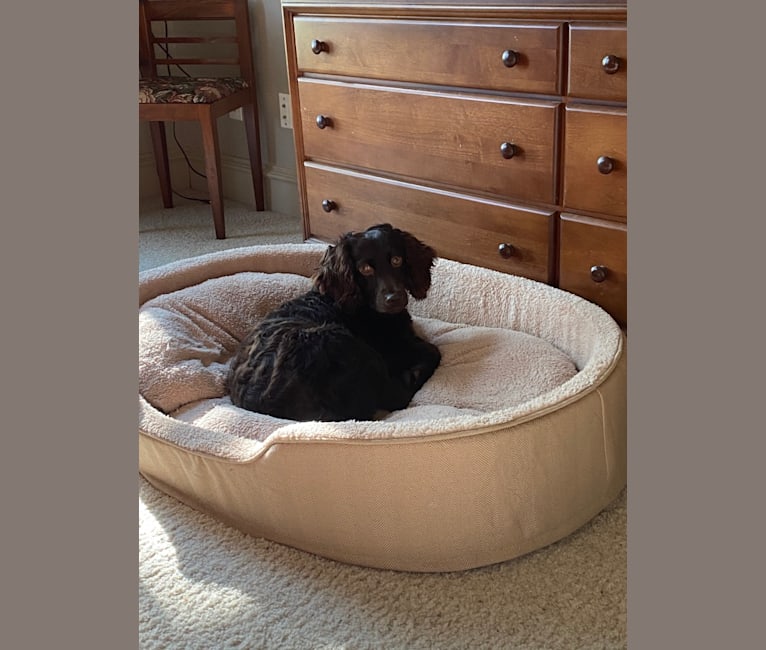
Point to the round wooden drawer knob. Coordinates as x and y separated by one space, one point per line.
508 150
598 273
506 250
510 58
323 121
610 63
605 164
317 47
328 205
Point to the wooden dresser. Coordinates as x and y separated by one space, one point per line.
494 132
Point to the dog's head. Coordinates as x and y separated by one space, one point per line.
378 268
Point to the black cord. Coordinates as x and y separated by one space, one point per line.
166 50
190 198
188 162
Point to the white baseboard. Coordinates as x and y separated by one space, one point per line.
280 184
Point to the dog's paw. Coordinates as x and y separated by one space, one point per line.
413 377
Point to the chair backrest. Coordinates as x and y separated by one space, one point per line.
194 48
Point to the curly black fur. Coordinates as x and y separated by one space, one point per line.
346 349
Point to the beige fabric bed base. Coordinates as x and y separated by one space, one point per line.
466 496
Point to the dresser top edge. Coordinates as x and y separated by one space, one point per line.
496 4
606 10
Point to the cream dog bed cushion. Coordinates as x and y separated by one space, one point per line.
517 439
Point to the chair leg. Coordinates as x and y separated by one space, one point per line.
252 131
160 148
213 171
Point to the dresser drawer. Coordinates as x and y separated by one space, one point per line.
598 61
595 159
433 52
475 231
593 262
451 139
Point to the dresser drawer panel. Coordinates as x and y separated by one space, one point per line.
593 262
598 61
513 57
595 160
455 140
484 233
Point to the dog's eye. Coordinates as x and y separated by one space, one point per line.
396 261
366 269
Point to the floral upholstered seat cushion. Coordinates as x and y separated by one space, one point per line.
187 90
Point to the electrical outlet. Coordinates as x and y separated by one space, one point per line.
285 111
236 114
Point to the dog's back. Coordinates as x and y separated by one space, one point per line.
303 363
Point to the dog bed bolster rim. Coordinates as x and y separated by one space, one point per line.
153 416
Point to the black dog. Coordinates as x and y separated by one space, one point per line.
346 349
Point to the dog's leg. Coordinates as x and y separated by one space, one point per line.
427 358
402 386
396 394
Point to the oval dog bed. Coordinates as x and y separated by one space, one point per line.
517 440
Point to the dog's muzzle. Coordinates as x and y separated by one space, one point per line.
392 302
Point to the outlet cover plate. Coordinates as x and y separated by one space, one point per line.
285 111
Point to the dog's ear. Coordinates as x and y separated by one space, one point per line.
419 259
335 276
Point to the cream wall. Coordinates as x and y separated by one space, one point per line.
276 142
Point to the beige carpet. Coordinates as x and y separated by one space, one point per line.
205 585
187 230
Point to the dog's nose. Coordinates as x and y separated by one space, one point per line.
395 299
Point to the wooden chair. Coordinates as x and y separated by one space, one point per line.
203 99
